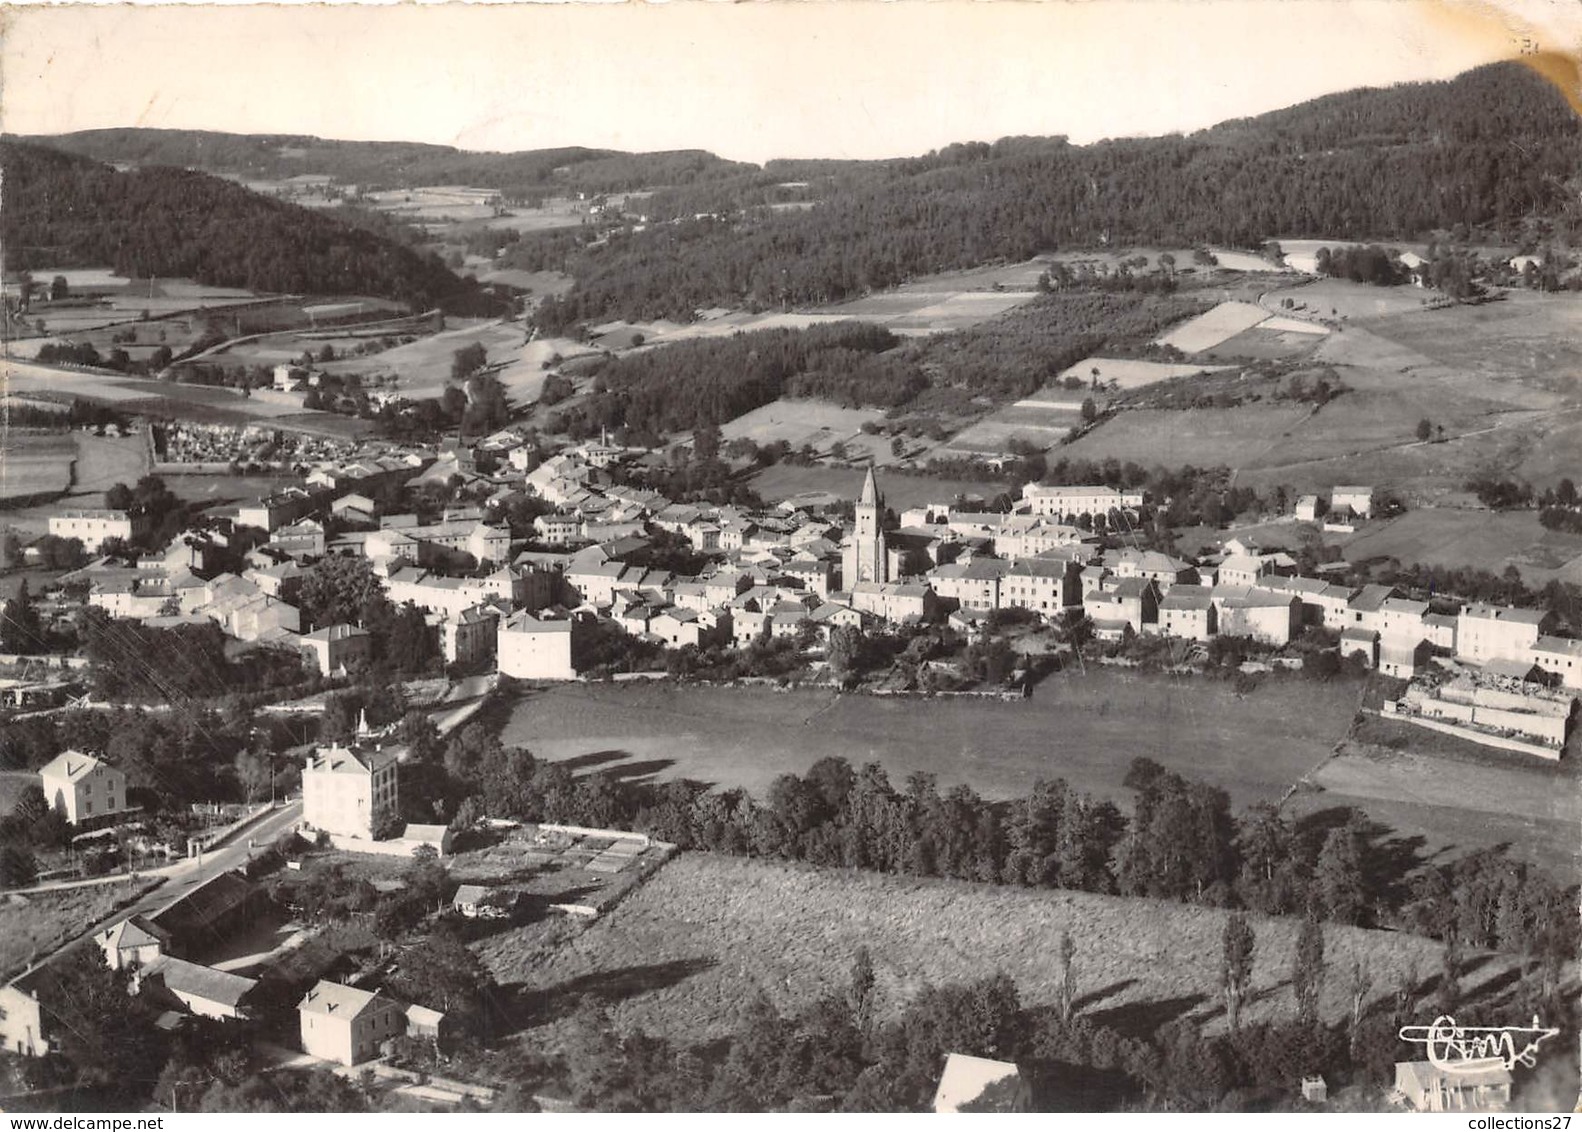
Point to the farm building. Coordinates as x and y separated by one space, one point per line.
197 989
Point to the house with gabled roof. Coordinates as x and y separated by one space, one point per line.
133 942
1561 658
348 1025
200 990
350 791
1188 612
83 789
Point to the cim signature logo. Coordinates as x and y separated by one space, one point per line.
1469 1049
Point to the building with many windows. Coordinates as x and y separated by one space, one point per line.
350 791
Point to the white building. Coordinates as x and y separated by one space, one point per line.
347 1025
93 527
350 791
1074 500
530 648
1499 632
81 788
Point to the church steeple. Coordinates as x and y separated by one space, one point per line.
866 557
870 491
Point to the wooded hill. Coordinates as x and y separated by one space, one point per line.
376 165
1494 153
61 210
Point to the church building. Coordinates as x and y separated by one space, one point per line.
864 556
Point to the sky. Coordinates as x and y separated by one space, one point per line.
750 81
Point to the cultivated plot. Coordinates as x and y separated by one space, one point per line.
1214 326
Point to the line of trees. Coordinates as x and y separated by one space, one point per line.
1182 841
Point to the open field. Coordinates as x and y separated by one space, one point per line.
1534 807
540 283
1343 299
44 920
1274 339
682 955
1232 260
1203 437
802 422
1084 728
1043 420
1445 536
118 299
1528 337
1130 373
1214 326
422 368
35 464
786 481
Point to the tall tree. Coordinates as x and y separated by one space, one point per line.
1307 967
1065 955
20 628
1337 877
1236 965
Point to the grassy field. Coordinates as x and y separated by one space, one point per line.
799 422
422 368
1492 540
1084 728
1456 799
1204 437
683 954
1526 337
1043 421
1341 298
34 925
784 481
1266 342
35 464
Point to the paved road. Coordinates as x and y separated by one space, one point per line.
184 876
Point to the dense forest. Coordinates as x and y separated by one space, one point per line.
1495 151
376 165
66 211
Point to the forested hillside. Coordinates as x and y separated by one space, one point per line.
66 211
375 165
1495 152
